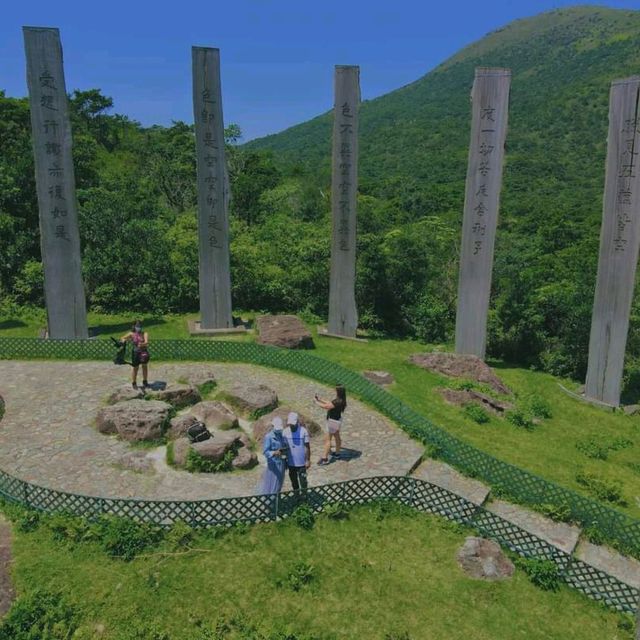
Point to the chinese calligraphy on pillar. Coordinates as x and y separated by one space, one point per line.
55 184
490 110
213 225
619 242
343 315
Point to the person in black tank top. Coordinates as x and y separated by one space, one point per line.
335 408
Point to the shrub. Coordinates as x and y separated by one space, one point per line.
476 413
125 538
593 449
65 527
557 512
298 576
539 407
384 509
462 385
542 573
519 419
609 491
196 463
336 511
39 614
180 535
594 534
304 517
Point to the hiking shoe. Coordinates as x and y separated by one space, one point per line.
323 461
134 385
145 384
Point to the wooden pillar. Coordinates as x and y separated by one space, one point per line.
213 192
619 242
343 314
55 185
490 110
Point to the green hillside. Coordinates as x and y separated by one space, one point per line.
414 152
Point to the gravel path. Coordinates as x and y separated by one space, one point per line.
47 437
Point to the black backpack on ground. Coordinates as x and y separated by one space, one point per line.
197 432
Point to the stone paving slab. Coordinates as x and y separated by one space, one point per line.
559 534
625 569
47 435
442 475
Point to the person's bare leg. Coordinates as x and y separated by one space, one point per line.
327 445
134 376
336 435
145 372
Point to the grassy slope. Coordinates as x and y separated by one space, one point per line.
373 578
549 450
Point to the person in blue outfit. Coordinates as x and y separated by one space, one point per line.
274 451
298 452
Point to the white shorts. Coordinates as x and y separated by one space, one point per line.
333 426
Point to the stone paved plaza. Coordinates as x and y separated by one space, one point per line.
47 435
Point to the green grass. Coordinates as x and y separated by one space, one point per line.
550 449
372 575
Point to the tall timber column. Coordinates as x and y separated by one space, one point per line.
213 196
490 110
343 315
55 185
619 241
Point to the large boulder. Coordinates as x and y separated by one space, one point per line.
181 449
136 461
284 331
202 378
483 559
215 415
177 395
135 420
246 459
381 378
460 366
215 449
252 400
124 393
263 425
179 425
462 397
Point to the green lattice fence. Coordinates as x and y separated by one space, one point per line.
405 490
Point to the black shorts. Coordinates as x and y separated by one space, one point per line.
139 357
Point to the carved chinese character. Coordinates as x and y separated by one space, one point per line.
55 171
61 232
213 223
631 126
46 80
47 102
477 245
58 213
346 110
480 209
52 148
619 243
206 97
50 126
624 196
345 168
346 129
486 113
627 171
482 191
344 188
210 140
485 149
478 228
56 192
207 116
210 160
484 168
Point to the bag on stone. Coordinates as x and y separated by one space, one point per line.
197 432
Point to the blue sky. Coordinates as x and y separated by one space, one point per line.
277 56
